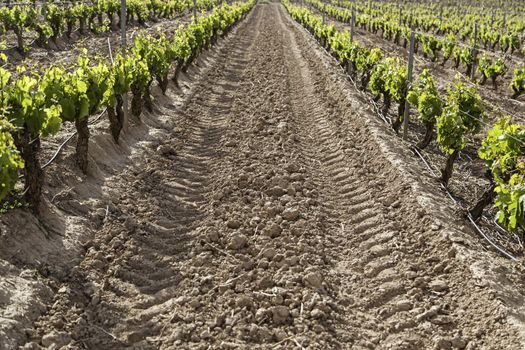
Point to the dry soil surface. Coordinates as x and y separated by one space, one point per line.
262 209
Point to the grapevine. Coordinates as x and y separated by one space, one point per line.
10 161
504 150
490 70
518 82
461 115
426 98
24 105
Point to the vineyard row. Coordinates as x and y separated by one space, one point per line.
35 105
454 117
436 48
98 17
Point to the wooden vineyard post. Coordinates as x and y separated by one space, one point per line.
44 9
441 16
324 10
406 114
352 25
123 47
123 42
474 51
400 16
370 15
195 11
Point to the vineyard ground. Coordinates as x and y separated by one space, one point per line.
262 205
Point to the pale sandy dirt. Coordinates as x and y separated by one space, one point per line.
262 206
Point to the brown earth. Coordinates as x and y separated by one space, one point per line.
262 206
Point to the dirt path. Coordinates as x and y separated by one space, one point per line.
267 217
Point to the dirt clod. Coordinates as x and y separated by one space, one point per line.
273 230
280 314
56 339
238 241
290 214
233 224
313 279
438 285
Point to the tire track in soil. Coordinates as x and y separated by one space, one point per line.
408 291
134 268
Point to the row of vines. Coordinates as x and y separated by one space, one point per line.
97 17
35 104
491 67
498 30
452 117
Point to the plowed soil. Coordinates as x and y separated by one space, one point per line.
261 206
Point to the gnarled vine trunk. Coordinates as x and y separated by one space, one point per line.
116 118
33 173
446 173
400 113
429 133
494 82
82 26
163 83
483 79
178 68
69 28
456 62
189 61
365 78
148 103
20 40
516 93
486 198
136 102
387 101
469 70
82 144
